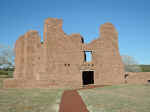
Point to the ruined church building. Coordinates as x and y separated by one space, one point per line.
61 61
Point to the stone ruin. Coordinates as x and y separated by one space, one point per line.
60 60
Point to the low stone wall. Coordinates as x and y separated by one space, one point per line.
138 77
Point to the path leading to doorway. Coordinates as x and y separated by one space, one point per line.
72 102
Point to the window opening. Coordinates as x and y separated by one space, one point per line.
87 56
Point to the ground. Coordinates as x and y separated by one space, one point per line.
6 73
122 98
1 82
30 100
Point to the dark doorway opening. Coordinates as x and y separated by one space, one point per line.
88 77
148 81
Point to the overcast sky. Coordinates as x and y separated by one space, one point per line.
130 17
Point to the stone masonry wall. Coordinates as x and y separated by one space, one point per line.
138 77
109 67
59 60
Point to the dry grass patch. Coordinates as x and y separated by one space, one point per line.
122 98
30 100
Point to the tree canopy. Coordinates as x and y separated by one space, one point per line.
6 57
130 64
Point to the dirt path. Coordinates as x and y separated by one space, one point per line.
72 102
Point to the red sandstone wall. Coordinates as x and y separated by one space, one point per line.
138 77
63 55
26 61
19 58
59 61
106 58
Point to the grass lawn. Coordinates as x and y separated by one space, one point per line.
122 98
30 100
6 74
1 82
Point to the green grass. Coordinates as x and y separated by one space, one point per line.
1 83
30 100
6 74
145 68
123 98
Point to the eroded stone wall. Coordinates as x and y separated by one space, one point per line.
106 58
137 77
59 60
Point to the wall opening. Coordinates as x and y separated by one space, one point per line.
88 77
87 56
148 81
126 76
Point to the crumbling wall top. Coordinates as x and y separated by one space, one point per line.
54 22
108 28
